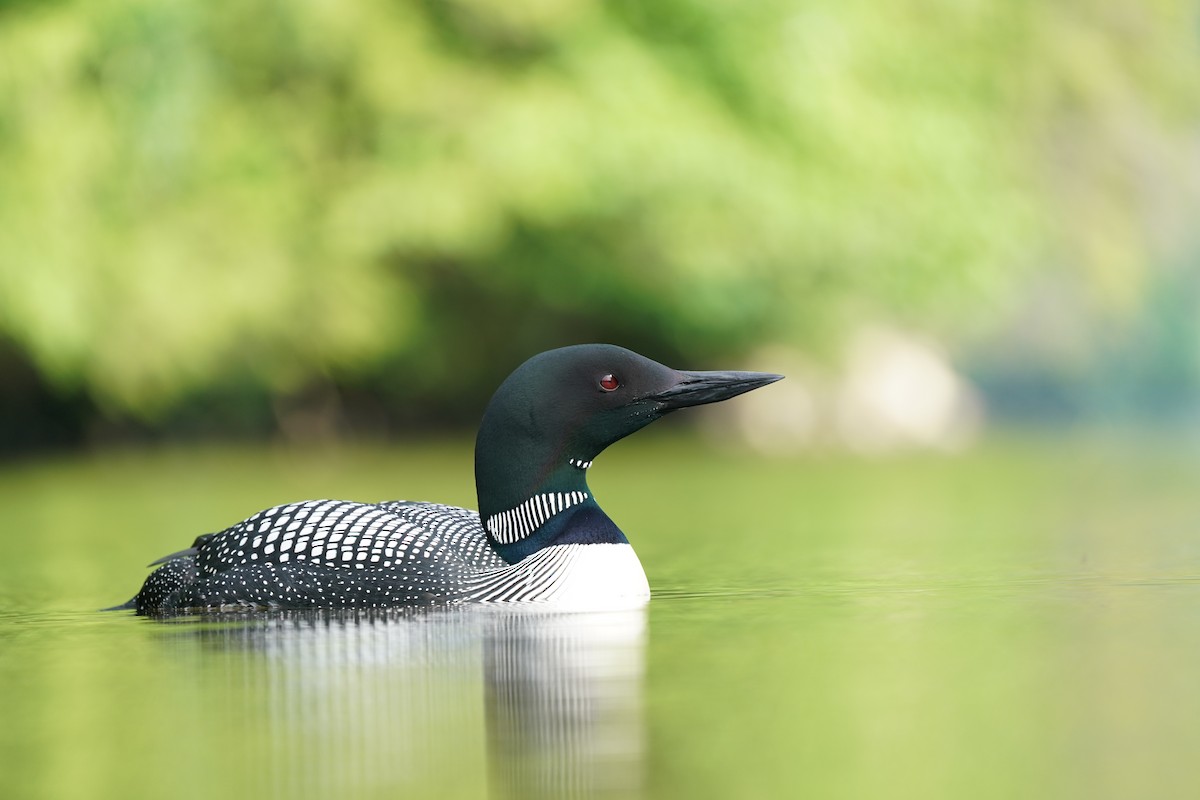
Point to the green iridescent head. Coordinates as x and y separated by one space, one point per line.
561 408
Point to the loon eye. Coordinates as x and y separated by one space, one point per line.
609 383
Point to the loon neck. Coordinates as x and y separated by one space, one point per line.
584 523
560 509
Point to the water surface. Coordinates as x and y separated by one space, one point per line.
1021 620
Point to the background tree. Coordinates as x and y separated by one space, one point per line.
400 200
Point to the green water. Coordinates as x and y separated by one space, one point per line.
1019 621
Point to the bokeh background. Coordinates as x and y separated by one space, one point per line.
312 219
259 252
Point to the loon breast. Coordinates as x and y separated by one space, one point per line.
570 576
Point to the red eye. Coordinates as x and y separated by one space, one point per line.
609 383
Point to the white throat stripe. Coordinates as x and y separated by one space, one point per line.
517 523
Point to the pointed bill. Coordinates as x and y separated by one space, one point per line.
698 388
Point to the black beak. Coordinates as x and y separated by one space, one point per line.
698 388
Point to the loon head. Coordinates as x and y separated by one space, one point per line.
552 416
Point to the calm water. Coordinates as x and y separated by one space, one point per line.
1019 621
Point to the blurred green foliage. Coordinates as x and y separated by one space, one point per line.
254 199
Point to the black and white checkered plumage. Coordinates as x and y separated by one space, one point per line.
333 553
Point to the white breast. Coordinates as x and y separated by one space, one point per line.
571 577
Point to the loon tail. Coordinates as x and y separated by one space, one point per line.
185 553
191 551
171 568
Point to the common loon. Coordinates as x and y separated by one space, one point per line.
539 535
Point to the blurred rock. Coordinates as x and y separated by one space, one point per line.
890 390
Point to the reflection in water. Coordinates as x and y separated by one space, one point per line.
564 704
442 703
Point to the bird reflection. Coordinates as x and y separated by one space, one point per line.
564 711
502 703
